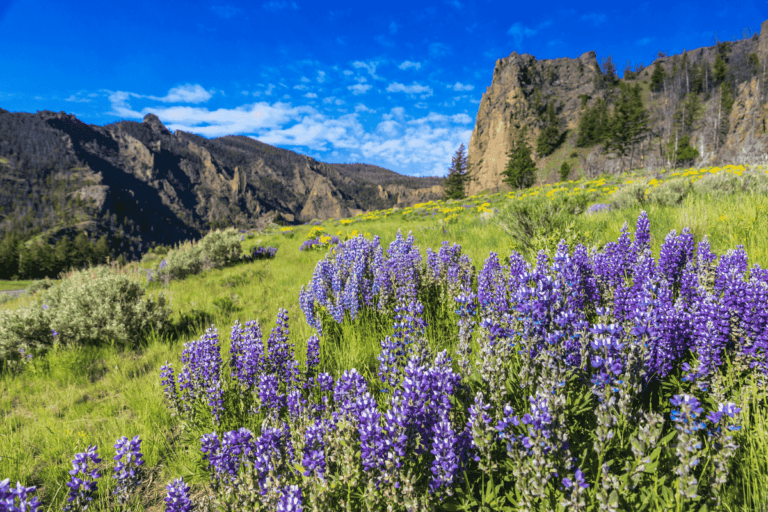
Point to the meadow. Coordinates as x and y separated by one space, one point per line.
547 396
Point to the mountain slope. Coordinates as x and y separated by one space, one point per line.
142 185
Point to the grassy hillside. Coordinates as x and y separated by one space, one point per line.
70 398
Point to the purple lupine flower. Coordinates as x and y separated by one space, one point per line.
83 485
313 354
210 445
349 387
711 327
163 264
723 410
296 403
325 381
598 208
445 466
270 396
676 251
290 499
280 354
177 499
17 499
372 439
314 451
247 353
578 478
689 409
128 470
168 382
200 376
642 234
260 253
227 455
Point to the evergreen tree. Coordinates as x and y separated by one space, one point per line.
593 125
686 153
83 251
689 112
657 77
101 250
520 171
458 177
9 255
550 135
629 123
565 171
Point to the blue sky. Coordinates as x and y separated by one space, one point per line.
396 84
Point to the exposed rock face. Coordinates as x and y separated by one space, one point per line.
522 86
166 187
512 101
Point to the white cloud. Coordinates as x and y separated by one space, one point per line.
438 50
644 41
226 11
368 66
305 79
78 100
310 95
362 108
185 94
410 89
594 18
300 87
278 5
419 145
348 72
359 88
408 64
458 86
321 76
518 31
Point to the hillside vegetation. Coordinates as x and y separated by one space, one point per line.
628 363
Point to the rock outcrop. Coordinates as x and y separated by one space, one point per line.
522 86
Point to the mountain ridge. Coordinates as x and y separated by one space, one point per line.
143 185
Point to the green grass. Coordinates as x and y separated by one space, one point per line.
72 398
14 285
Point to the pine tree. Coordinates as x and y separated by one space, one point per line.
593 125
9 255
629 123
520 171
549 138
657 77
458 177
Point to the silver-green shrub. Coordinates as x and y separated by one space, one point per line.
90 307
23 333
97 306
215 250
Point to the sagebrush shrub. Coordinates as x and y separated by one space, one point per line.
90 307
215 250
96 306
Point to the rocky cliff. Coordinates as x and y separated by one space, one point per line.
522 87
155 186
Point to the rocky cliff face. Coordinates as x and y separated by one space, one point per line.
164 187
522 86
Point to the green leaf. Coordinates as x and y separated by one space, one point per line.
613 498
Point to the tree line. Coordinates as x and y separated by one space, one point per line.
40 259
